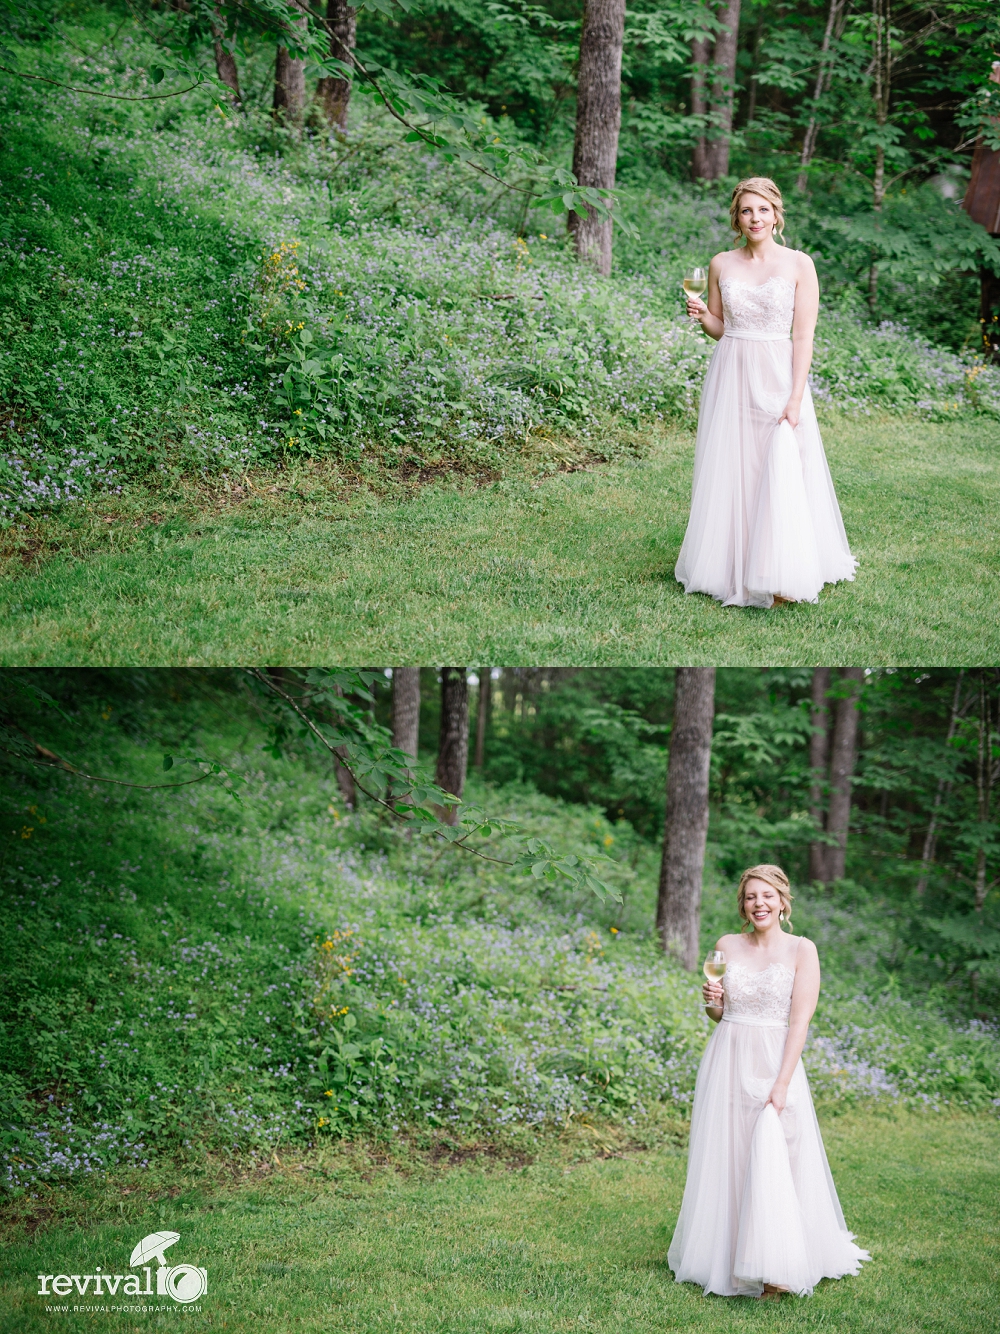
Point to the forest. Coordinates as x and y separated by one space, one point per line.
260 302
254 945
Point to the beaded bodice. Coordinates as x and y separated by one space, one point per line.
759 993
764 308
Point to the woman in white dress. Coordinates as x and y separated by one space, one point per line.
765 525
760 1214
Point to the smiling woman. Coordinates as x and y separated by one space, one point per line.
765 525
760 1214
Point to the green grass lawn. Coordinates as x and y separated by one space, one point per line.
344 1241
575 569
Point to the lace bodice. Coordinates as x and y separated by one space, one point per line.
765 308
762 993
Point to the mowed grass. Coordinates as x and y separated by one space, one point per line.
338 1242
574 569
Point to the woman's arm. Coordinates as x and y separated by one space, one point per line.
710 316
806 311
805 994
712 990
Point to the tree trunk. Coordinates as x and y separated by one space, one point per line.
290 83
335 94
989 314
723 90
701 54
225 61
406 714
406 709
943 788
822 80
984 786
598 120
484 704
755 71
453 746
346 784
843 754
819 759
678 911
882 90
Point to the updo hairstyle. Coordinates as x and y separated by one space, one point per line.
776 878
766 188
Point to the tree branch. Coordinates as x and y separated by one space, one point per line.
93 92
46 759
300 713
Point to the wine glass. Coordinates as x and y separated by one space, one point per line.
695 281
714 966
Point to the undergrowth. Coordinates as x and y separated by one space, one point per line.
186 291
184 974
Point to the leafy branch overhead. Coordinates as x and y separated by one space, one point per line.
18 743
330 710
428 113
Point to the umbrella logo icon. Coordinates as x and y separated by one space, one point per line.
184 1283
152 1247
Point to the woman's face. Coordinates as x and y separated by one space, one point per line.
756 217
762 904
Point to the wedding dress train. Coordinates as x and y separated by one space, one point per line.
764 515
759 1205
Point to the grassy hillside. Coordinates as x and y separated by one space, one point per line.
187 975
187 292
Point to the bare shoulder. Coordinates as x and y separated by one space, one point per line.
804 266
726 942
807 952
719 261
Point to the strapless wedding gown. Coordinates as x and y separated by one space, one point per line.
760 1205
764 515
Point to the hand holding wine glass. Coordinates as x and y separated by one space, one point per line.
695 281
714 969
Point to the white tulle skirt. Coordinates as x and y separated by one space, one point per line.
764 515
759 1205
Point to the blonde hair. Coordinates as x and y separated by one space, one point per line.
766 188
773 876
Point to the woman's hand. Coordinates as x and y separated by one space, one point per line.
778 1098
712 992
792 412
696 307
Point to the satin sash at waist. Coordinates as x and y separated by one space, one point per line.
728 1018
757 335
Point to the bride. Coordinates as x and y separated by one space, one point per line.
760 1214
765 526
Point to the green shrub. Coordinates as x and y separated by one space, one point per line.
146 331
183 973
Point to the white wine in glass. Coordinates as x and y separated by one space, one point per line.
695 281
714 967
